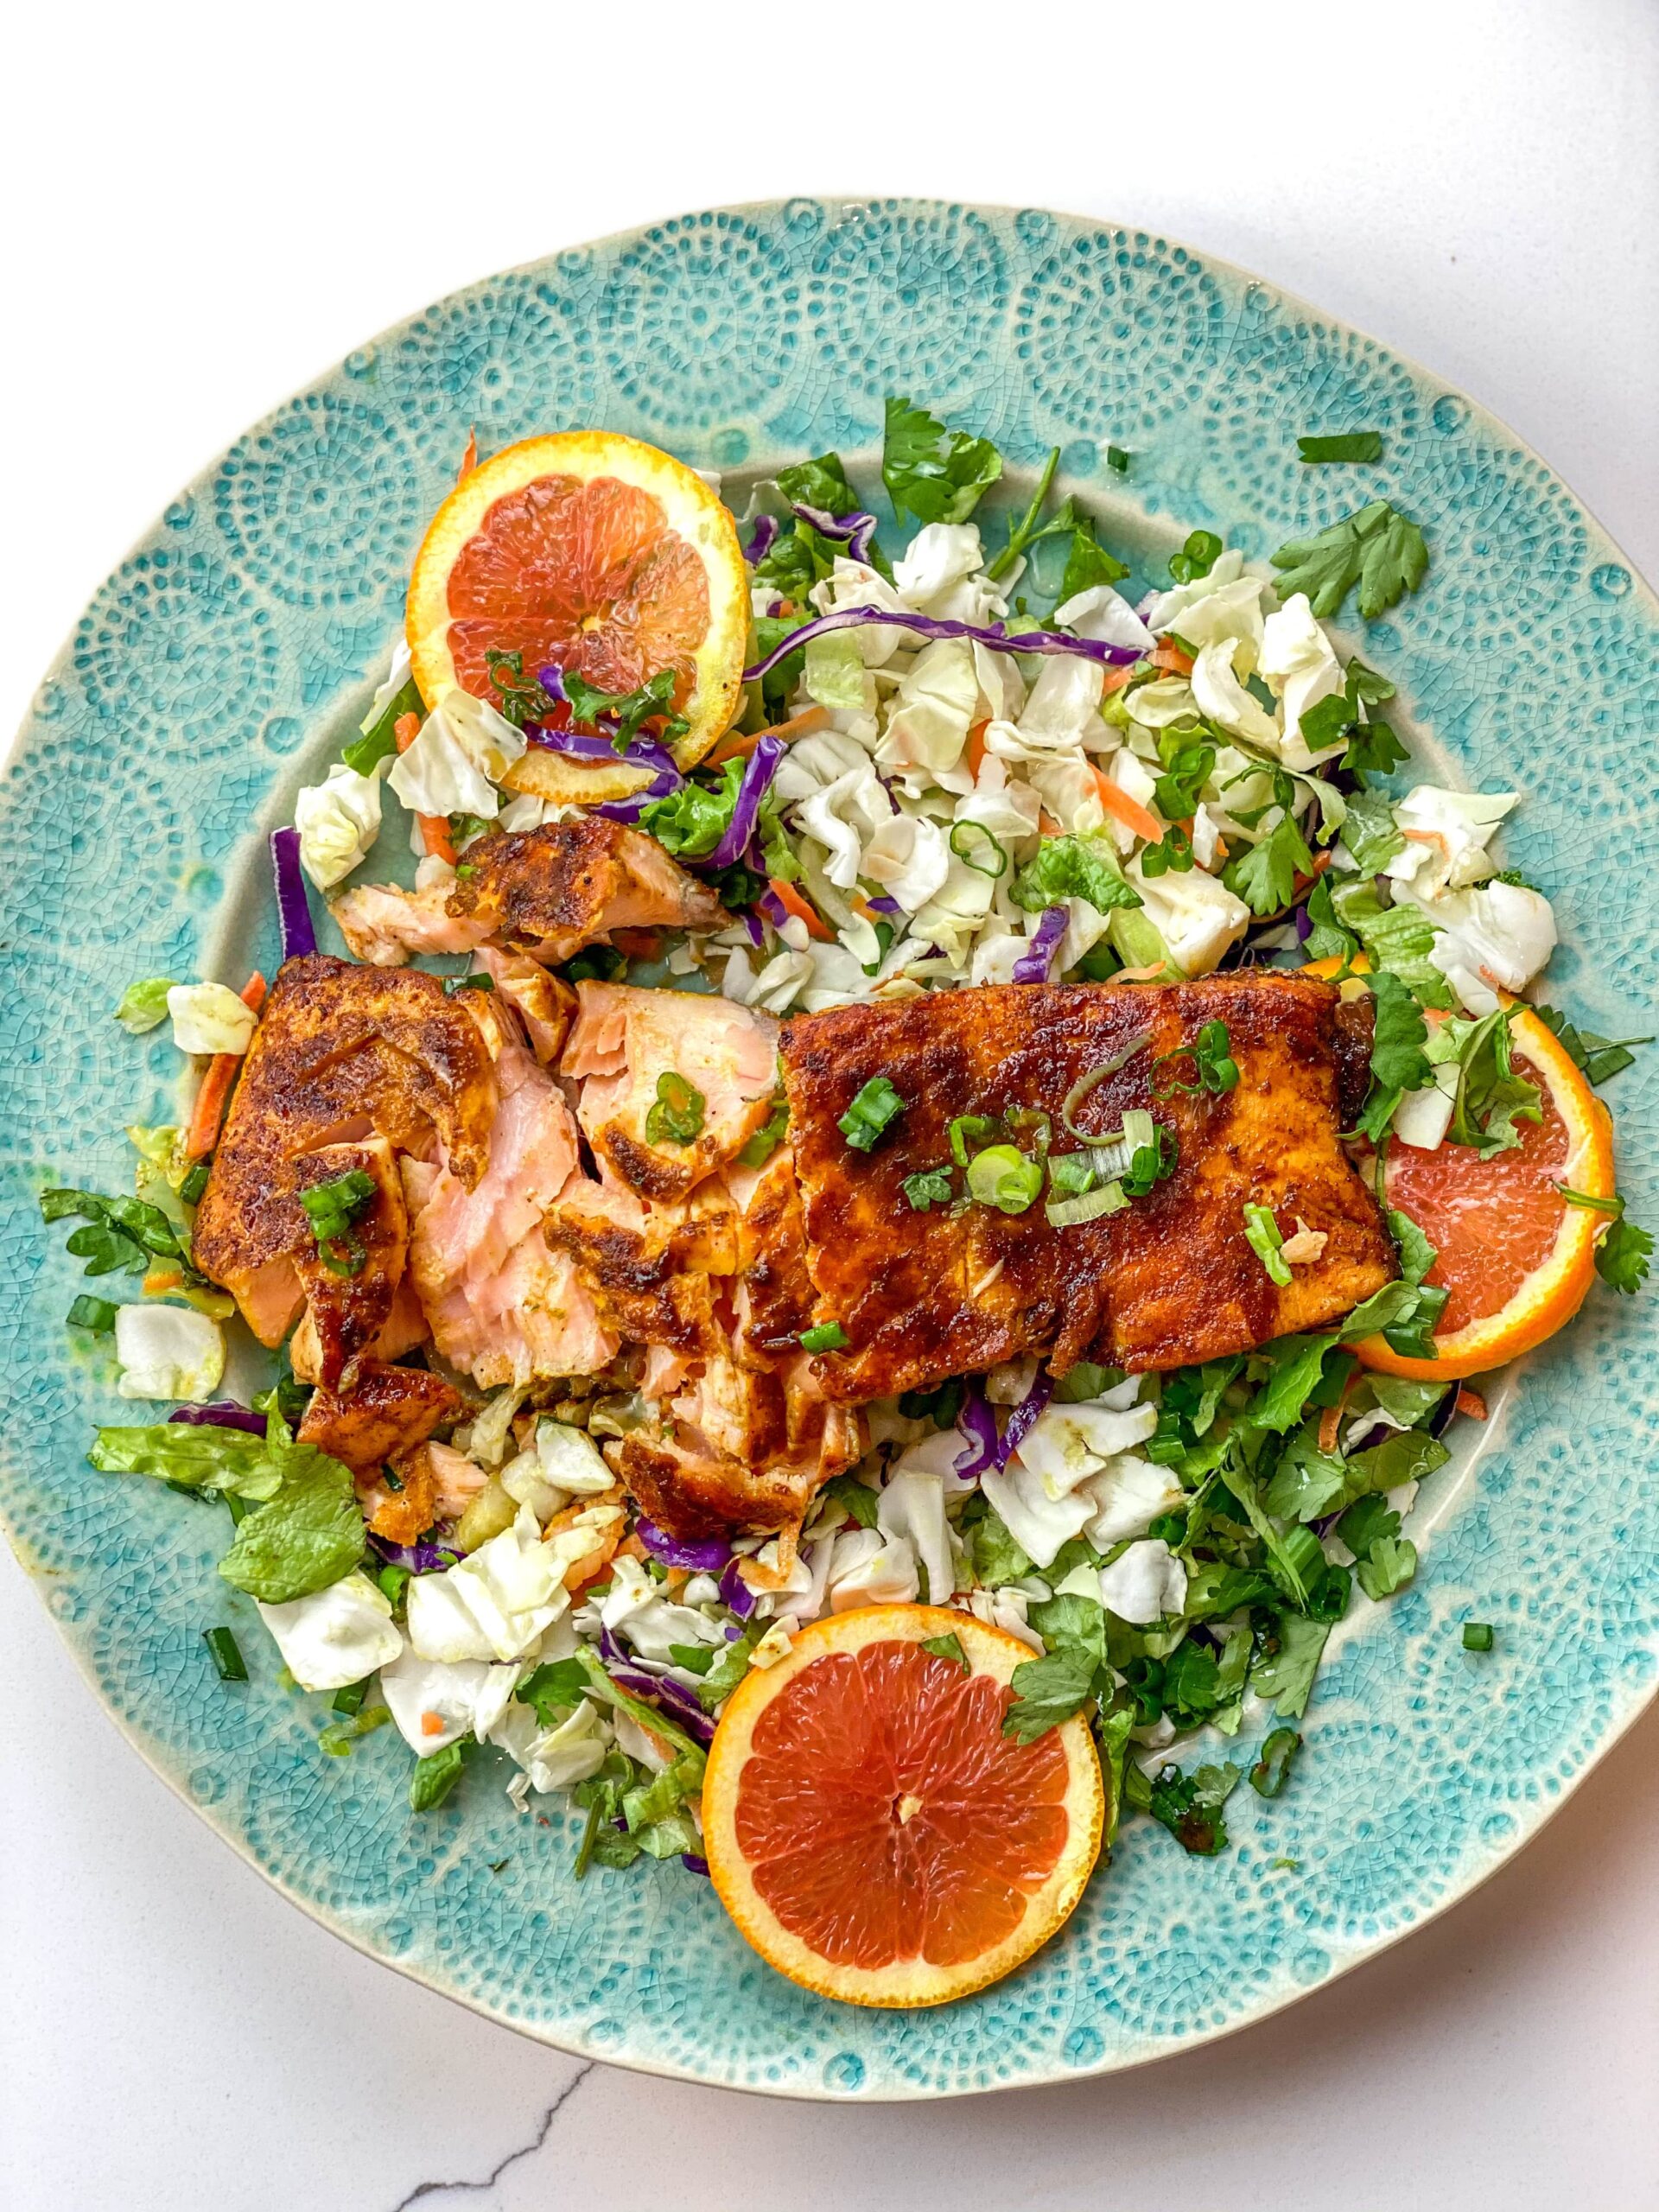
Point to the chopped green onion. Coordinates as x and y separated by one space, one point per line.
677 1117
393 1582
827 1336
1003 1177
1071 1173
1353 445
349 1700
94 1314
1118 459
929 1187
765 1142
1262 1234
968 831
967 1130
1211 1053
479 982
227 1654
1614 1206
876 1105
1478 1636
1072 1213
194 1183
435 1777
1272 1771
1085 1084
1197 557
331 1208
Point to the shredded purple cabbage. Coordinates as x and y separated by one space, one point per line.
293 907
705 1558
884 904
755 927
424 1557
1024 1416
658 1691
643 752
224 1413
854 531
773 907
1303 925
978 1423
1044 642
1033 967
551 679
758 773
694 1862
735 1592
765 536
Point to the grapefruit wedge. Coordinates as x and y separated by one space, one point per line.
599 554
1516 1257
872 1831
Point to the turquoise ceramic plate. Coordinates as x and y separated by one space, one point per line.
216 671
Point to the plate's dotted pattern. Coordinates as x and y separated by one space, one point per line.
202 684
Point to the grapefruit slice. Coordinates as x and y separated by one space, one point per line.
599 554
872 1831
1516 1258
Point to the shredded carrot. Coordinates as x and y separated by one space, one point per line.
1114 680
1047 824
792 903
1471 1403
1322 862
211 1101
1129 811
469 459
1428 838
1330 1421
737 746
434 828
162 1278
1171 658
219 1082
431 1724
976 752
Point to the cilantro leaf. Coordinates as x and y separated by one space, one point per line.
1071 1622
1621 1256
854 1499
821 483
1286 1674
929 1187
1297 1363
1367 1521
1272 1771
556 1687
937 475
947 1647
729 1669
1388 1567
1088 564
1188 1805
1049 1690
1377 548
1264 876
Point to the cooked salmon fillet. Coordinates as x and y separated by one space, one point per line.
544 892
501 1304
925 1295
623 1042
348 1304
544 1003
342 1054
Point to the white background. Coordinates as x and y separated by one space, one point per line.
204 208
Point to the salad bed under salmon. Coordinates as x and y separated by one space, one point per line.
895 1107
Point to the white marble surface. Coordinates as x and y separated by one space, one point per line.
208 204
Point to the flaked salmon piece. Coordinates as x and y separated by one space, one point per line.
687 1484
435 1483
501 1305
343 1054
625 1040
544 1003
637 1264
774 1298
382 924
404 1328
390 1411
550 891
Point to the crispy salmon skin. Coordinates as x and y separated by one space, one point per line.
1172 1279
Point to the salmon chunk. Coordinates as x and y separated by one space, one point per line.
389 1413
384 924
501 1304
622 1045
925 1294
343 1055
549 892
